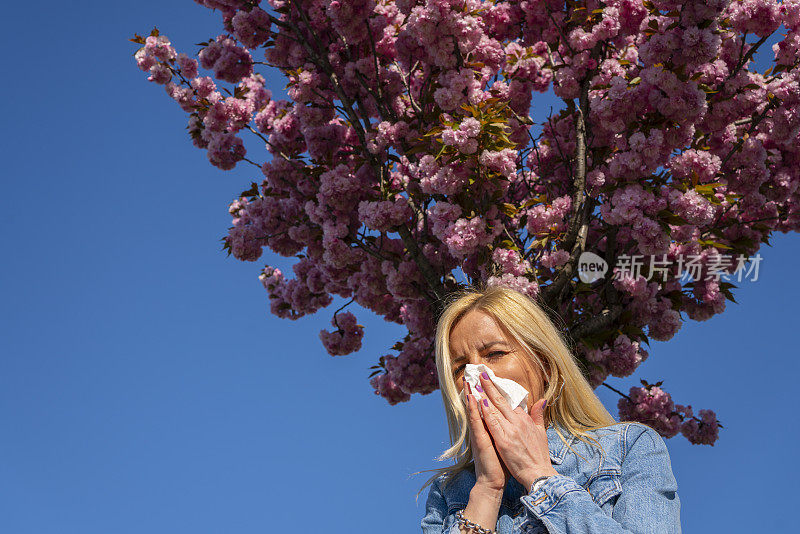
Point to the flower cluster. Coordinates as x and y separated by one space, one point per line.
404 162
654 407
347 336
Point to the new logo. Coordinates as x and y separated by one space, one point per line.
591 267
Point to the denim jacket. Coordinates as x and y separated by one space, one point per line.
629 488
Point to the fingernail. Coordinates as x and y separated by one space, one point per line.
479 388
544 405
485 402
485 375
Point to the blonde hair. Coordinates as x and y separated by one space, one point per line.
571 401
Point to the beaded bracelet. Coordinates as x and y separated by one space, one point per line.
462 521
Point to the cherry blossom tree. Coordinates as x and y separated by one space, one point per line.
405 163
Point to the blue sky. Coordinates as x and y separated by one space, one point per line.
145 387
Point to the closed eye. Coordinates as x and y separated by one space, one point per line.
491 357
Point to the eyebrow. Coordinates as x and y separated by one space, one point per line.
484 347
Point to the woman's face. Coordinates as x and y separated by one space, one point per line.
477 338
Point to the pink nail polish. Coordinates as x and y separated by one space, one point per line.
485 402
485 375
479 388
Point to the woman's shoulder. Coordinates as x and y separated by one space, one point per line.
457 480
618 442
627 431
631 439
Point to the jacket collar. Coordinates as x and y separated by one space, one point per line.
558 448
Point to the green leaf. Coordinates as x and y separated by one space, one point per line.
441 151
252 192
582 287
645 339
509 209
416 149
742 241
671 218
716 244
507 243
707 188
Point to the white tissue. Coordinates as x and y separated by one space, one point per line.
514 393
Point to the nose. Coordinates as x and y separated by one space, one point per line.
473 359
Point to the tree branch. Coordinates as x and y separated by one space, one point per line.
436 292
575 240
597 322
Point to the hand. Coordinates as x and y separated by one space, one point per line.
490 473
520 438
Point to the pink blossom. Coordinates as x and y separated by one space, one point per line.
440 216
339 187
465 236
160 48
704 165
384 215
692 206
381 86
187 65
789 11
388 389
665 325
434 178
502 162
510 261
703 431
224 149
252 28
624 357
229 61
553 259
347 336
160 73
651 406
182 95
519 283
542 217
760 17
290 299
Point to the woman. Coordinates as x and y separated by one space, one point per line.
564 466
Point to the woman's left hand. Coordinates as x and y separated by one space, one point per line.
520 438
